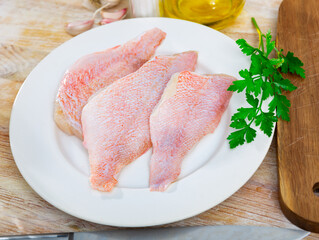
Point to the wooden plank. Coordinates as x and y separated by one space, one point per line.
298 140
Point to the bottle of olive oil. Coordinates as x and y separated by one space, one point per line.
214 13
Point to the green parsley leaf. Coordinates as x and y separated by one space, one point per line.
258 86
250 134
238 86
268 69
243 113
281 104
251 100
266 122
267 90
250 83
284 84
270 45
256 64
237 138
293 64
238 124
245 47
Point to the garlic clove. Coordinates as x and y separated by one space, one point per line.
117 12
75 28
107 20
116 15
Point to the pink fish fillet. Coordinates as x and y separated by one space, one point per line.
95 71
116 120
191 107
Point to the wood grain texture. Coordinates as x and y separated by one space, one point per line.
298 150
34 28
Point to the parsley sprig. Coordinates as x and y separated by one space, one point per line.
260 82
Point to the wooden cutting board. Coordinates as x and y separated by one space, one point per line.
298 140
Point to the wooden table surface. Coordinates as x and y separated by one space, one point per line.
29 30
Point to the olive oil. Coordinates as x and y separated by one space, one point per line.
214 13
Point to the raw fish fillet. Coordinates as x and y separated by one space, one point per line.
95 71
191 107
116 120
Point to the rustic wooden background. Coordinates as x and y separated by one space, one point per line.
29 30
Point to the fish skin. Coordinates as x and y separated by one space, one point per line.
95 71
190 108
116 120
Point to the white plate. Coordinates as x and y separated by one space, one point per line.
56 165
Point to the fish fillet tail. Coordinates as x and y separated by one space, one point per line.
103 184
149 40
161 177
161 184
103 176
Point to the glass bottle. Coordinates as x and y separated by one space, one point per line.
213 13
